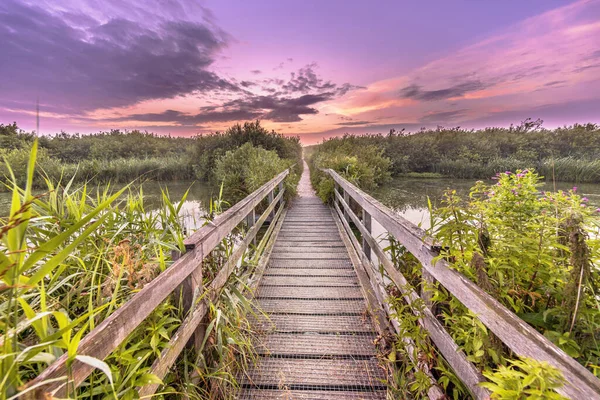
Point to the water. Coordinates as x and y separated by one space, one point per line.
196 204
408 196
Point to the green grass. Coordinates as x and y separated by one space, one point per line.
72 256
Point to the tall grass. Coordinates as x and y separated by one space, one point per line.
72 256
567 169
119 170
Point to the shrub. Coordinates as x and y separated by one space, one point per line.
246 169
363 165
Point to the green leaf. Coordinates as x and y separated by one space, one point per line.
97 364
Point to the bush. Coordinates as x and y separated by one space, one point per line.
210 148
536 252
244 170
363 165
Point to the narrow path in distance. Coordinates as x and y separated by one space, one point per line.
317 342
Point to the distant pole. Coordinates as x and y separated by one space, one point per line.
37 116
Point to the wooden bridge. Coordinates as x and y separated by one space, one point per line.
321 296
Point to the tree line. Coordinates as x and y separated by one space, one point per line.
123 156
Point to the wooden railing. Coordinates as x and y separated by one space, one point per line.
184 277
515 333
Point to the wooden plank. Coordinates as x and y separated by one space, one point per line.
111 332
310 256
161 365
366 222
302 292
308 307
296 245
465 370
338 250
267 243
293 241
310 263
211 234
310 323
102 340
309 235
278 372
310 272
315 344
286 394
514 332
309 281
373 293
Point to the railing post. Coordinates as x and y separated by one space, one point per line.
270 198
366 220
189 289
428 282
347 200
250 221
280 200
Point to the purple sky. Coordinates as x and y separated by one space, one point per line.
314 68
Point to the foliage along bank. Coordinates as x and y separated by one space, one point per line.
122 157
565 154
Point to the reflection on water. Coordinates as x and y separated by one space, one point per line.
408 196
192 210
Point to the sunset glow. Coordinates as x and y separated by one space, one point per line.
307 68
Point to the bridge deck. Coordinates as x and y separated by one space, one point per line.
317 339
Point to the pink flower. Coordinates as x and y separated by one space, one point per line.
574 188
585 199
598 210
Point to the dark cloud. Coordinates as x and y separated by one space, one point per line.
554 83
354 123
417 93
442 116
99 65
306 80
287 101
586 67
191 119
593 55
256 71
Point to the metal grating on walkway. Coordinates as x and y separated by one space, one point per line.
316 339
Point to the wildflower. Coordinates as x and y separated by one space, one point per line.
598 210
585 199
507 172
574 188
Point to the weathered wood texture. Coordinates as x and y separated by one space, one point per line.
316 333
110 333
514 332
467 372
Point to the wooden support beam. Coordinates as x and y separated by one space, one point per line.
516 334
457 359
161 365
366 220
111 332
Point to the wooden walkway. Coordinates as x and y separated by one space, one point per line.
317 340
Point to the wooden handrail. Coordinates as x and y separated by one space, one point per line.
110 333
516 334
